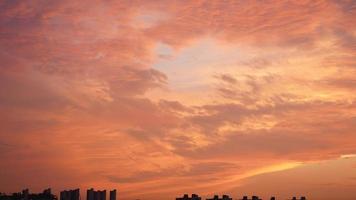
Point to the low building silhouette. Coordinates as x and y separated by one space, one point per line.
301 198
186 197
25 195
253 198
224 197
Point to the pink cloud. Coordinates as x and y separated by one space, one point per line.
76 77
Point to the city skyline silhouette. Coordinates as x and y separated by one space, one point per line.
91 194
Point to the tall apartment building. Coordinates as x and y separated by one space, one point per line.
69 195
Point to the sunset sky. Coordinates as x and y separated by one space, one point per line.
158 98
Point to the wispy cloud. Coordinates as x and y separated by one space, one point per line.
160 98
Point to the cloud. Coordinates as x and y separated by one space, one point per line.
247 87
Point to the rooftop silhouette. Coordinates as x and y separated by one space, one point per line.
69 194
25 195
301 198
63 195
101 195
186 197
224 197
253 198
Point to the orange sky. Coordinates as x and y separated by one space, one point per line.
160 98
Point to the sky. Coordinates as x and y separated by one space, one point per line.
158 98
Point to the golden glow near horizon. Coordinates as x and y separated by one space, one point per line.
161 98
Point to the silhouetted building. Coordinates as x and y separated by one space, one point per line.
224 197
97 195
90 194
102 195
46 194
186 197
70 195
195 197
301 198
253 198
25 195
113 195
273 198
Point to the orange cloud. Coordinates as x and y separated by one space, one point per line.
160 98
